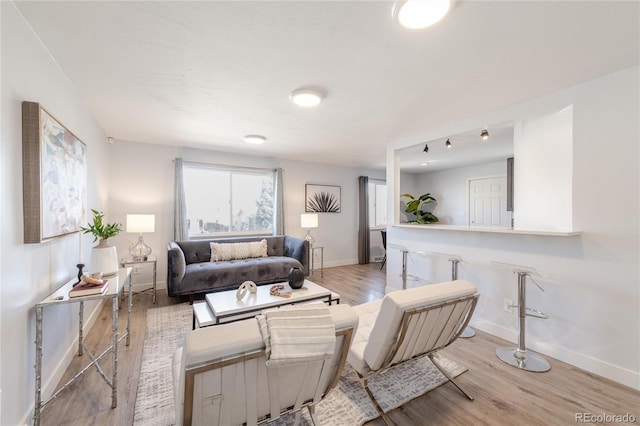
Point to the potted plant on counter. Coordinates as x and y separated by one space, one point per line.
104 257
415 206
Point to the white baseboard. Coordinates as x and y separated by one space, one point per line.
160 285
602 368
332 263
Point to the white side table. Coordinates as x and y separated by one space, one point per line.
150 259
313 252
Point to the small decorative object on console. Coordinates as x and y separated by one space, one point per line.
88 289
79 266
93 279
249 286
296 278
275 291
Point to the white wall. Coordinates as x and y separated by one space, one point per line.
141 181
543 172
592 294
450 189
29 272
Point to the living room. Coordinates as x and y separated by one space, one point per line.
592 278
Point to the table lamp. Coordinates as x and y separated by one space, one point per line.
309 220
140 223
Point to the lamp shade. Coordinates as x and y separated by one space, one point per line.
141 223
309 220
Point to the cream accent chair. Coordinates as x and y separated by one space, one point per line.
220 376
408 324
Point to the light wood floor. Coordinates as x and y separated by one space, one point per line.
503 395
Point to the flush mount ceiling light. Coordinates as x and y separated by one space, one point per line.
448 144
417 14
306 97
255 139
484 135
426 148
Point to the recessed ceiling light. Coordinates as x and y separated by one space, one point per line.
484 135
417 14
306 97
255 139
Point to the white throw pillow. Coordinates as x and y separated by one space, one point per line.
233 251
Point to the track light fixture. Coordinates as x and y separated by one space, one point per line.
484 135
426 148
448 144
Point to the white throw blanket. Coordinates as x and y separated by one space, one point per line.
296 334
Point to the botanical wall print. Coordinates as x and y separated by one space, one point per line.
54 176
322 198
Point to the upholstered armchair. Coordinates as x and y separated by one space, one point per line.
221 377
408 324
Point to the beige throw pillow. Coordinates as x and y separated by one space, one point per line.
234 251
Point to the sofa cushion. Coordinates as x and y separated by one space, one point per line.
233 251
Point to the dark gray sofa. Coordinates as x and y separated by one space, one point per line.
190 271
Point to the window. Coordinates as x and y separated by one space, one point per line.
228 201
377 203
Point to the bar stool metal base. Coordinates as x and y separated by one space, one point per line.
467 333
523 360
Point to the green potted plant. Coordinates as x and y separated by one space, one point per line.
99 229
104 257
415 206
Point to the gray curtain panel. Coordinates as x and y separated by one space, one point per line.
180 230
363 220
278 203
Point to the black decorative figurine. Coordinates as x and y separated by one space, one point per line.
79 266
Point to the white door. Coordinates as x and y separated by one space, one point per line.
488 202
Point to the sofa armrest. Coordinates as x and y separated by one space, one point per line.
298 249
176 266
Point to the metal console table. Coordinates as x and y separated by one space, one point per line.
312 251
61 296
150 259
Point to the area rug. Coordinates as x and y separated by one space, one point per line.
347 405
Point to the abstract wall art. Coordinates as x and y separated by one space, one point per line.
54 176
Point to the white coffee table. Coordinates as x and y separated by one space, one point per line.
223 306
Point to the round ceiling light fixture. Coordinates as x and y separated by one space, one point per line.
255 139
484 135
306 97
418 14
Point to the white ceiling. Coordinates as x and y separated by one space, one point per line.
204 74
466 149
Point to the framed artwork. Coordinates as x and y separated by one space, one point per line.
54 176
322 198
